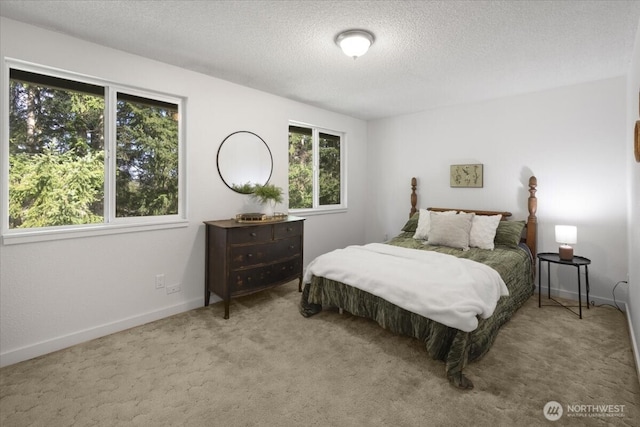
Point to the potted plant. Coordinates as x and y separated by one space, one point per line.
268 195
246 188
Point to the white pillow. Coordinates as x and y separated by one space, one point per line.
451 230
483 231
424 223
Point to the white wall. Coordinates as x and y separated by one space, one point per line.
572 138
55 294
633 93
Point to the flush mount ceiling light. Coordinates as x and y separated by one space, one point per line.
355 43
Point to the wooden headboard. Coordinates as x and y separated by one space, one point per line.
530 234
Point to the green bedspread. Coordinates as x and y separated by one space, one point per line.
455 347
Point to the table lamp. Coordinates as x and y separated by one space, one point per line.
566 235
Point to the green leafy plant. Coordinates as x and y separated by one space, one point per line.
267 193
246 188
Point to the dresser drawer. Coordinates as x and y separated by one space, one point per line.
261 277
287 229
250 255
287 248
250 235
287 269
244 256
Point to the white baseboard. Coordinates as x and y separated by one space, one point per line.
634 344
59 343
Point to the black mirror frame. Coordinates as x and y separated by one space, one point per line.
218 159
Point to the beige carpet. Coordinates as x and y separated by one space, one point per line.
269 366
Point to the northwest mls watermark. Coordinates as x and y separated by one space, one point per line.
553 411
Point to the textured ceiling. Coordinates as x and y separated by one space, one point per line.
426 54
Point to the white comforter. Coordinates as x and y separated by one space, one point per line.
441 287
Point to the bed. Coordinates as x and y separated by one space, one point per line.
456 344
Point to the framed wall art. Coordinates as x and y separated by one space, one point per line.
636 141
466 176
636 136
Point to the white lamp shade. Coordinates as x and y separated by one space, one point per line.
566 234
354 43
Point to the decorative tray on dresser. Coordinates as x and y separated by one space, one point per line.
243 258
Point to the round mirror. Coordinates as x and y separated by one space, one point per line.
244 160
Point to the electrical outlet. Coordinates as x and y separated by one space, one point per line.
173 289
159 281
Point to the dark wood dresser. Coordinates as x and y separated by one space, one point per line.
242 258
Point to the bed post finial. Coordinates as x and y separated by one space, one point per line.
532 221
414 196
533 202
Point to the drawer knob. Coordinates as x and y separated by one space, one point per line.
252 234
249 255
289 229
291 247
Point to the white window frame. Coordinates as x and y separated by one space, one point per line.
315 136
111 224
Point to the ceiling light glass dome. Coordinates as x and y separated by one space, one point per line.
355 43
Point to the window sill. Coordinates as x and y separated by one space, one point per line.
15 237
317 211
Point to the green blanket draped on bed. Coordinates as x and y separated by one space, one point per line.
455 347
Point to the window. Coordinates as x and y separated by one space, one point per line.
146 157
316 168
60 171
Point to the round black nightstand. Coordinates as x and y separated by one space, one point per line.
576 261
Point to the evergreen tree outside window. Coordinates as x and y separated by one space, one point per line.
60 133
146 157
329 170
316 169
